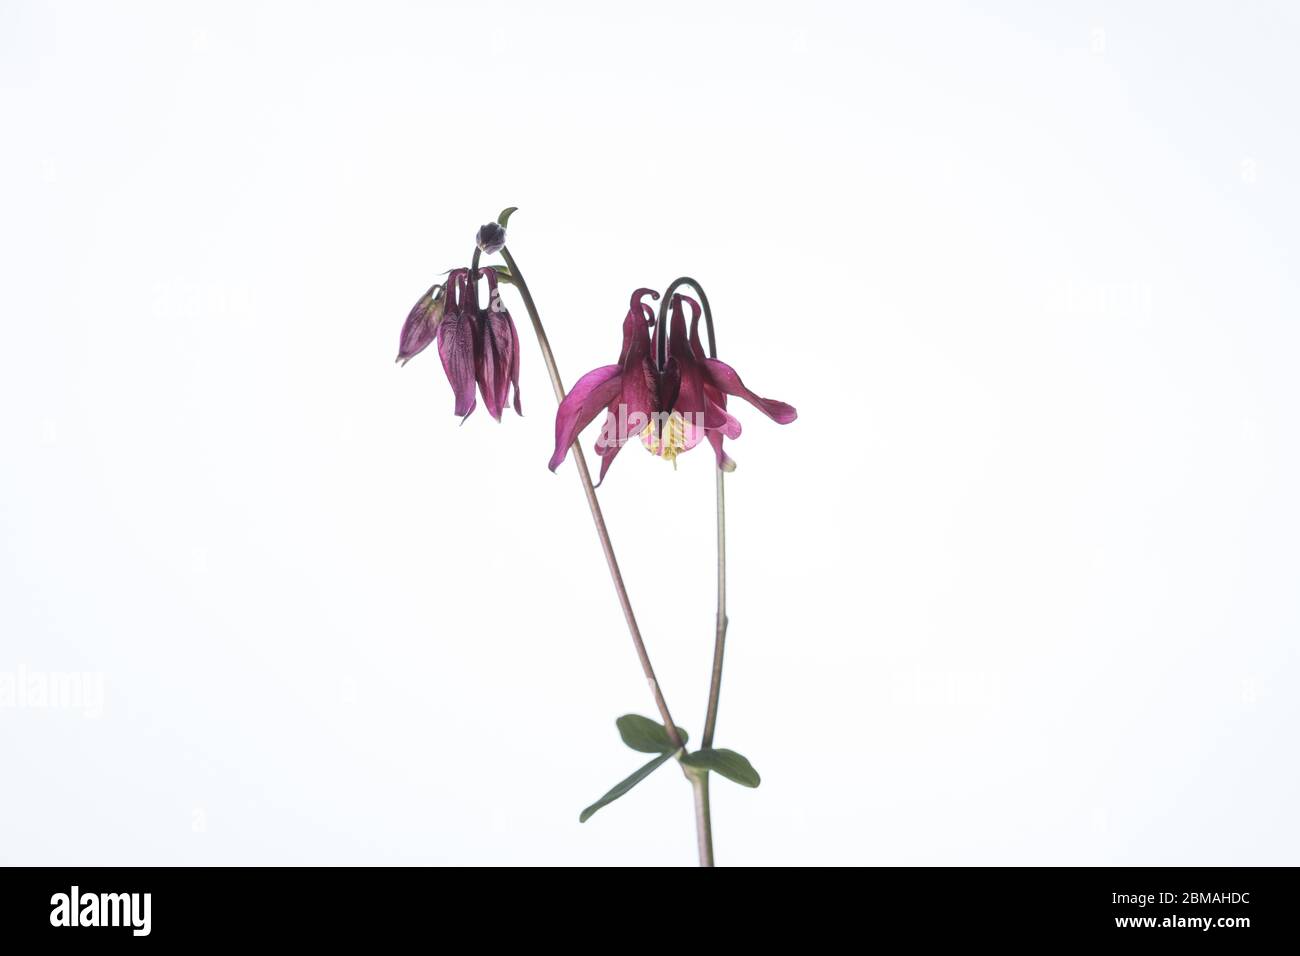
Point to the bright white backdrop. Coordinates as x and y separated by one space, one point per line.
1018 587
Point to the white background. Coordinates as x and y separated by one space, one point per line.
1019 586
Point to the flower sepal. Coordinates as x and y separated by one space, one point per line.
421 326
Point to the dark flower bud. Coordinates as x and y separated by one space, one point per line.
491 237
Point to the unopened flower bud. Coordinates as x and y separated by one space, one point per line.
491 237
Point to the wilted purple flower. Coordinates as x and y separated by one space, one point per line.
670 407
491 238
478 347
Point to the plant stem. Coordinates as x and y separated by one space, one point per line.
720 630
596 516
703 816
703 825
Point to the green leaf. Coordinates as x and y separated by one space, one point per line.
726 762
505 216
623 787
644 735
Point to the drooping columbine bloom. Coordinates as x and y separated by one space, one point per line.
670 407
478 347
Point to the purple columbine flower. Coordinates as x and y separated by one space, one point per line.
478 347
670 407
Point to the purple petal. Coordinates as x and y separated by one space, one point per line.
639 316
456 348
716 415
696 345
724 460
610 442
514 364
421 326
640 387
724 377
670 386
690 399
607 459
589 395
496 359
636 331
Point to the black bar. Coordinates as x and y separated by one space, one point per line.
1135 906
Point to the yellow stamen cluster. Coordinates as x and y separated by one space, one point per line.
671 443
